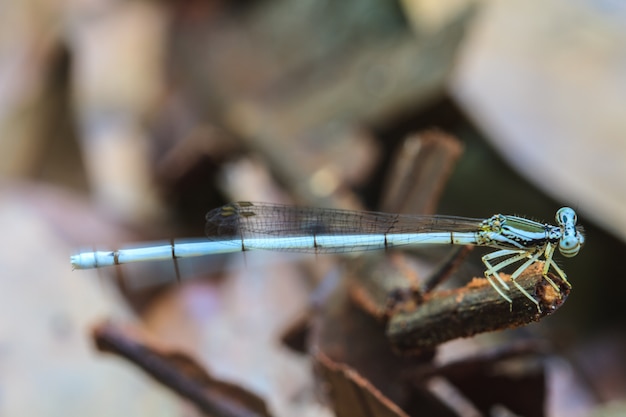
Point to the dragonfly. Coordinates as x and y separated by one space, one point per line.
245 226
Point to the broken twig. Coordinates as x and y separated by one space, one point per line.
475 308
180 373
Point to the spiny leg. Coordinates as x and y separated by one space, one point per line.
493 269
560 272
496 275
519 271
549 252
548 257
502 252
509 261
551 282
490 270
498 289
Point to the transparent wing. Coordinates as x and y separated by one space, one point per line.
246 220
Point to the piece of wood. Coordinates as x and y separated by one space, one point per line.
473 309
181 373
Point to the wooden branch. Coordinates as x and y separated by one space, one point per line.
180 373
475 308
350 393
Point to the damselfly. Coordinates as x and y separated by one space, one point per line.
247 226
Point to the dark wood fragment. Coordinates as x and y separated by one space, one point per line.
352 395
420 171
377 284
180 373
296 335
447 267
513 377
347 334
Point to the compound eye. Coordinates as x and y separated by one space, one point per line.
569 246
566 215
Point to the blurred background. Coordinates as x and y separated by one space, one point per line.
126 121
